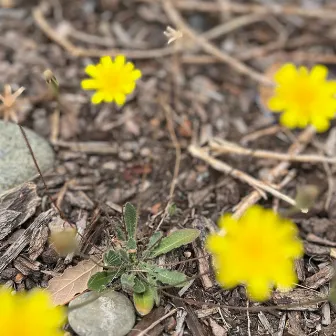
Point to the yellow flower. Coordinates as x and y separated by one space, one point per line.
304 97
112 80
257 250
29 314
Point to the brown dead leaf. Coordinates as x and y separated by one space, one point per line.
73 281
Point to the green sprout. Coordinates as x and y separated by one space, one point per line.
136 270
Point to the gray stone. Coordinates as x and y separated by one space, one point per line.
16 164
111 314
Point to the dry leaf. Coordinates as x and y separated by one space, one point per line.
73 281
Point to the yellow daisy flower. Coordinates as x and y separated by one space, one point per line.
29 314
303 97
112 80
257 250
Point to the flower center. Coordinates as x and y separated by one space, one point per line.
304 95
254 249
112 80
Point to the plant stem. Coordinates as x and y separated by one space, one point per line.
23 132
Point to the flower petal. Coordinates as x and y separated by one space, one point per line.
136 74
289 119
90 84
319 73
129 88
119 61
276 104
106 61
91 70
120 99
98 97
259 289
285 74
320 122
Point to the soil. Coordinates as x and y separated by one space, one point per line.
108 155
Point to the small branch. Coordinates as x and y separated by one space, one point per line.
225 168
296 148
43 24
170 126
177 19
144 332
250 309
39 170
222 147
231 6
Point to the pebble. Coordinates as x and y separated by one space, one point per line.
111 314
16 164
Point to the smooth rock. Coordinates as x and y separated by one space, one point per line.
16 163
111 314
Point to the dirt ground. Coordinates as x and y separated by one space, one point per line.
107 155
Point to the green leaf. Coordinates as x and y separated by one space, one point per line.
127 282
144 302
139 285
156 296
120 233
175 240
112 258
170 277
172 210
124 255
157 236
131 245
100 280
130 217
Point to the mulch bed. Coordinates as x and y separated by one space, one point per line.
108 155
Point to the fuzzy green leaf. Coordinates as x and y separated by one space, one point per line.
170 277
120 233
127 282
100 280
124 255
130 217
157 236
112 258
172 209
156 295
139 286
144 302
131 245
175 240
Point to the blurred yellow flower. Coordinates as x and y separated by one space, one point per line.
303 97
112 80
257 250
29 314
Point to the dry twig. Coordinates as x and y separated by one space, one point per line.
240 8
178 21
91 52
177 146
220 146
297 147
260 186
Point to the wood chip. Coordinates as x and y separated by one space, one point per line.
146 321
320 278
217 330
38 239
297 297
26 266
294 327
14 250
16 206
